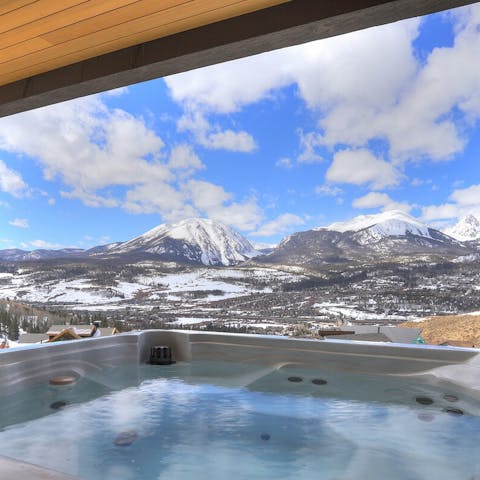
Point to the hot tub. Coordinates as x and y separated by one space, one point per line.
240 407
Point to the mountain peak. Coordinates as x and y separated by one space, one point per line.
197 240
468 228
390 223
471 220
186 229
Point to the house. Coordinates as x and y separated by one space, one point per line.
66 334
58 333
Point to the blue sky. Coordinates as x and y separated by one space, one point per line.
386 118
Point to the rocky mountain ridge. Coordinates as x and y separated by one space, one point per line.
379 237
198 241
192 241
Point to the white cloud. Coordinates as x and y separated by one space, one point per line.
230 140
372 200
308 143
51 201
360 167
212 136
349 78
413 111
19 223
91 199
467 196
367 85
462 202
439 212
418 182
368 66
227 87
215 203
194 198
92 149
284 162
87 145
281 225
380 200
44 245
11 181
182 157
116 92
158 198
328 190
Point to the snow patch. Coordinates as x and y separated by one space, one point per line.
391 223
467 229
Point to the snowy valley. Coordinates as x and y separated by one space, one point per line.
380 269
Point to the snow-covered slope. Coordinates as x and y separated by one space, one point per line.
195 240
467 229
386 224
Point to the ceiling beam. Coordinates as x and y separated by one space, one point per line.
291 23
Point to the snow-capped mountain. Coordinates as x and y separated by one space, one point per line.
198 241
17 255
194 241
386 224
366 237
381 237
467 229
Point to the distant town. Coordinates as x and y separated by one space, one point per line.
374 280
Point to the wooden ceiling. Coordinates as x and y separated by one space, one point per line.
42 35
57 50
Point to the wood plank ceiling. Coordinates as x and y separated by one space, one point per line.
42 35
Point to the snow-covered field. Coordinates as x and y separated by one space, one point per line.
191 320
352 313
206 284
74 291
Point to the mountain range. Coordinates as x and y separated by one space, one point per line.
193 241
208 242
365 238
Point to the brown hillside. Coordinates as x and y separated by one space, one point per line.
456 328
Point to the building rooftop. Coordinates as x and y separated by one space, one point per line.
362 337
81 330
33 338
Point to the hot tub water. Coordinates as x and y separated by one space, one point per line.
194 420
